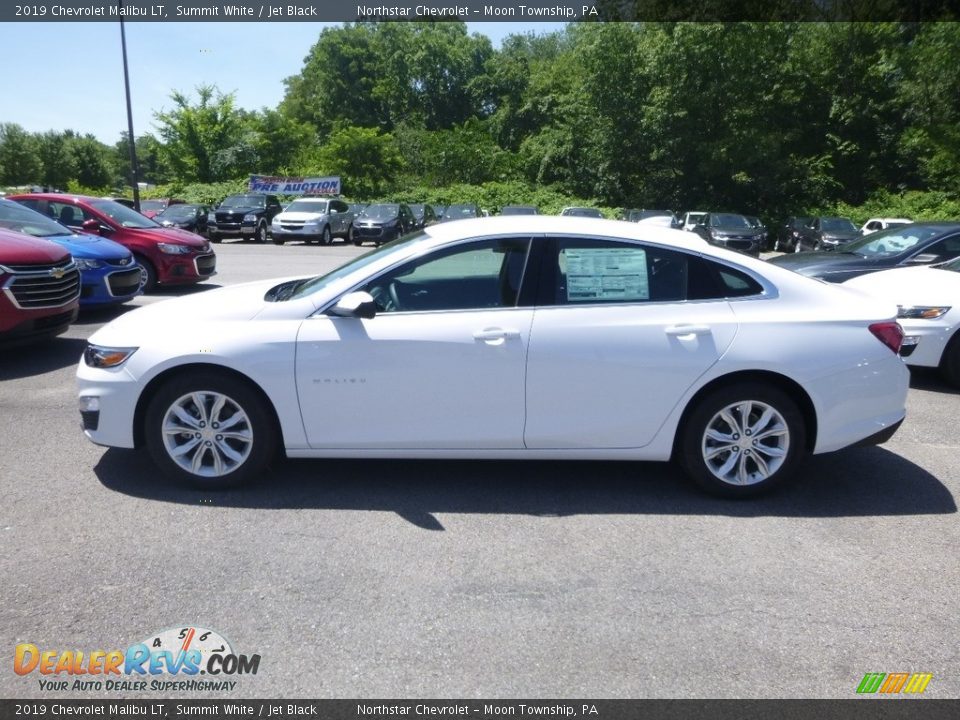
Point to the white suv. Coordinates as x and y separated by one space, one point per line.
874 224
313 218
692 218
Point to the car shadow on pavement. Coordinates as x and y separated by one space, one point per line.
857 482
37 359
930 379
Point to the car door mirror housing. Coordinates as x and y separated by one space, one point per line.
923 259
358 304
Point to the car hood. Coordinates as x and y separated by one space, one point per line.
376 221
238 210
299 216
911 286
741 231
149 324
91 247
820 263
166 235
19 249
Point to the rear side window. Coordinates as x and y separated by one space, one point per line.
590 271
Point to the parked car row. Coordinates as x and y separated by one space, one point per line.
61 252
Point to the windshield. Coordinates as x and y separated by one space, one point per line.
244 201
644 214
380 212
307 206
838 225
461 211
175 212
152 205
122 215
728 220
21 219
892 241
320 281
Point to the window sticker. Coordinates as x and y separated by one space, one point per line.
606 274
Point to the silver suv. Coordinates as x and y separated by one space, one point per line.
312 218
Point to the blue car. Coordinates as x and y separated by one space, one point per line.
108 272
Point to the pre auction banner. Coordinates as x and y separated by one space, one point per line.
295 185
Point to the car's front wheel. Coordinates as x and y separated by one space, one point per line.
326 238
950 362
148 274
742 440
210 430
260 234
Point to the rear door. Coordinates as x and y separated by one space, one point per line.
622 331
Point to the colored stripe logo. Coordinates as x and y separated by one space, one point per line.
893 683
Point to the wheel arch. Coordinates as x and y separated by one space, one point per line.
791 387
139 415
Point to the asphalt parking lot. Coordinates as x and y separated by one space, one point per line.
479 579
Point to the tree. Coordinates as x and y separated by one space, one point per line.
365 159
19 158
58 165
94 162
194 134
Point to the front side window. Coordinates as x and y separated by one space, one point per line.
478 275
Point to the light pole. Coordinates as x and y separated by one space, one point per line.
134 170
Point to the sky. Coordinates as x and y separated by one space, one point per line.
60 76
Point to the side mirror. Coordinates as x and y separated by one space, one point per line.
923 259
94 227
358 304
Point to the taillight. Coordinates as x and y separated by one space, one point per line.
889 333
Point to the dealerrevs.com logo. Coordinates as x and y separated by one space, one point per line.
178 659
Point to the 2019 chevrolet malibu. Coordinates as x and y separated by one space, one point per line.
518 337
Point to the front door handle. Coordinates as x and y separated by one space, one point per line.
687 330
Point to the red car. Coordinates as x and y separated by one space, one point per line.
152 208
167 256
39 288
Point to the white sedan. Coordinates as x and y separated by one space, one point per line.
929 311
513 338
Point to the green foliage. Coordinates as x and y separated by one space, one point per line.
200 193
913 204
19 161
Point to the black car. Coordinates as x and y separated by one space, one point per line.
188 217
460 212
828 233
519 210
731 231
246 215
424 214
758 223
906 245
791 234
383 222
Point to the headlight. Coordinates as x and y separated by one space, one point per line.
250 217
276 221
106 357
171 249
84 264
211 218
922 312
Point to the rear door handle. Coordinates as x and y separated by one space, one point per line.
495 335
687 330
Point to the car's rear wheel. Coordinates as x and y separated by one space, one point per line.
148 274
950 362
210 430
742 440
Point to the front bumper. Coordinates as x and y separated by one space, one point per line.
116 393
180 269
106 286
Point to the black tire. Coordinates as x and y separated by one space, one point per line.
357 240
950 362
214 237
260 234
349 237
785 433
326 238
256 421
278 240
148 274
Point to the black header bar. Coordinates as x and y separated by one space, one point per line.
480 10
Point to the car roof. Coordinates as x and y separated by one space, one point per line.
562 226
